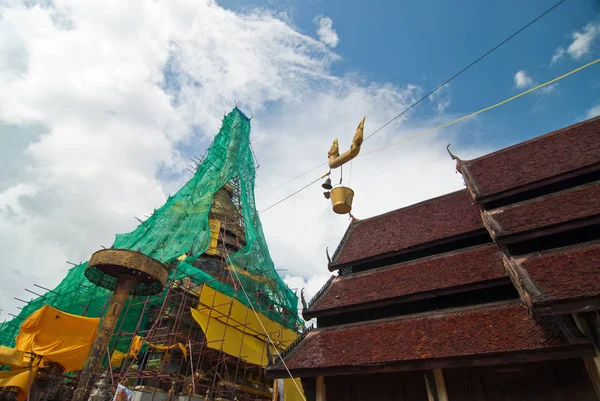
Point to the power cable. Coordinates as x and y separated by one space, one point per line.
448 124
485 109
432 91
440 86
294 193
294 179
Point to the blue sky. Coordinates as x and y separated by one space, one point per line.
425 42
103 102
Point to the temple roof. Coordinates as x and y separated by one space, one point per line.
547 212
424 224
567 152
487 334
564 278
427 277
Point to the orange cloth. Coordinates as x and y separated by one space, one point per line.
58 336
19 378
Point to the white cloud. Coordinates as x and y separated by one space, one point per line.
581 43
546 90
558 54
441 99
107 99
594 111
325 30
523 80
582 40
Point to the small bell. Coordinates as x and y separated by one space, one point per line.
327 194
327 184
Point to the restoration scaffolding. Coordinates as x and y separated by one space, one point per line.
209 332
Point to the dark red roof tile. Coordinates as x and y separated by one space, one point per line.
435 219
541 158
503 328
467 266
567 273
557 208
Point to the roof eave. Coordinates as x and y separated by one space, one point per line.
577 350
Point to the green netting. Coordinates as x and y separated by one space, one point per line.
180 227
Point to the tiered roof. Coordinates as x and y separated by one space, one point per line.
564 279
560 211
460 337
476 267
529 221
436 221
557 156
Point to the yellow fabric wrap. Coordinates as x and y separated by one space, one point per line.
117 358
215 227
58 336
14 358
233 327
136 345
290 391
19 378
259 279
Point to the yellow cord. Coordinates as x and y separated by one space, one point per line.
485 109
439 127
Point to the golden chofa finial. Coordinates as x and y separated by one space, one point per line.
335 159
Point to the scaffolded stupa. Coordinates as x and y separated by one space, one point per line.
206 335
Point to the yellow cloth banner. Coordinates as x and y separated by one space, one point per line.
234 342
259 279
117 358
58 336
290 391
136 345
19 378
233 327
215 227
14 358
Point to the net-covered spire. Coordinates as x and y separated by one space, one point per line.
181 227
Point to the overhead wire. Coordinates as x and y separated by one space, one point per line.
484 109
293 179
294 193
591 63
437 88
440 86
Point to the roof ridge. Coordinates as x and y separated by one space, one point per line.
320 293
532 140
424 258
411 206
457 309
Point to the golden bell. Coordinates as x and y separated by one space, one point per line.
327 184
341 199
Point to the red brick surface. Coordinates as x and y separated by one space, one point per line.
435 219
567 273
543 157
458 268
561 207
466 332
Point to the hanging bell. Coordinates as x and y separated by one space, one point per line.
327 194
327 184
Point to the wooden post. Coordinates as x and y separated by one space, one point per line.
436 386
592 366
440 383
276 390
92 366
320 388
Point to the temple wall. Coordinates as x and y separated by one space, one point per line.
553 381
